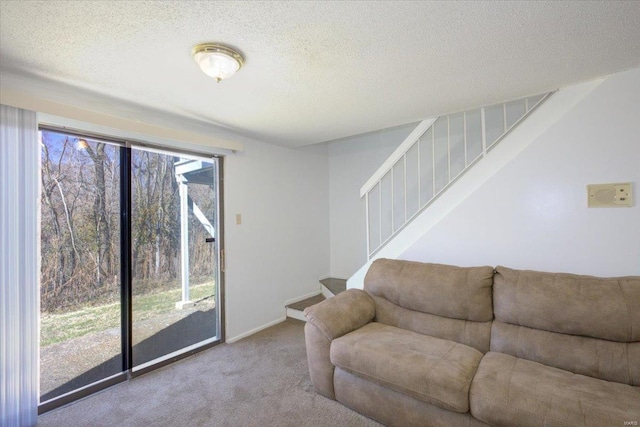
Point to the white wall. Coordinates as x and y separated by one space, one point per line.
532 214
281 248
351 162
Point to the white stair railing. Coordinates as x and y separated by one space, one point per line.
430 159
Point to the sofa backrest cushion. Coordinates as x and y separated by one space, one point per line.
443 301
569 304
583 324
443 290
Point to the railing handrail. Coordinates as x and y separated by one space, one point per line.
397 154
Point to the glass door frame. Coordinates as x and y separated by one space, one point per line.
126 276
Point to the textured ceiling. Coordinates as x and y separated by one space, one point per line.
314 71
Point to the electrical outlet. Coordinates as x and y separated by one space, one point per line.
623 194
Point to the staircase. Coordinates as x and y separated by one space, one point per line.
329 287
444 161
431 160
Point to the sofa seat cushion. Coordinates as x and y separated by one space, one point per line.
509 391
429 369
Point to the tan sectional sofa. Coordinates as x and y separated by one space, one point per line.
439 345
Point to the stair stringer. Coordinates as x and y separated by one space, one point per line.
519 138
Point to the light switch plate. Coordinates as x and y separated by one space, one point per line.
614 195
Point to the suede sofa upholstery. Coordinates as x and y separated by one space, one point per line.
434 345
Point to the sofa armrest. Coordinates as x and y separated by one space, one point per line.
342 314
326 321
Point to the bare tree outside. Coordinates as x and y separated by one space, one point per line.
80 222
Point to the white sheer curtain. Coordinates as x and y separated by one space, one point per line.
19 266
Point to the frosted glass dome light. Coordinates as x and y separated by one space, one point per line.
217 61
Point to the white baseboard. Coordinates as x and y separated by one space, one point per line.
296 299
296 314
253 331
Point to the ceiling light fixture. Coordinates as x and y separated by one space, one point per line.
217 61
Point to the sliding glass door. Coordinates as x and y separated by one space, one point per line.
130 256
174 254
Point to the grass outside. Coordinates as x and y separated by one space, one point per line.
55 328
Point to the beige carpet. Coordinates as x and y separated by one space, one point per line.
262 380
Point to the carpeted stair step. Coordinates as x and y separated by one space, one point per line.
332 286
295 309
